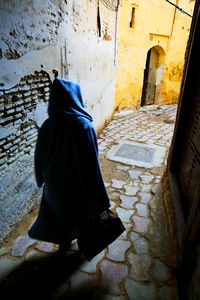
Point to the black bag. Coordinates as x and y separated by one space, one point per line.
97 232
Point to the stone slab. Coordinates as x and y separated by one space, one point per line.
140 267
90 266
117 250
124 214
137 154
21 244
112 276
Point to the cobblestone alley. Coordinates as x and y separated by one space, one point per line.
141 263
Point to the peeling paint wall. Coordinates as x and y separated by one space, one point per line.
156 24
37 37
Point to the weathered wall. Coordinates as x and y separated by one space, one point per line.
35 38
156 24
174 61
90 58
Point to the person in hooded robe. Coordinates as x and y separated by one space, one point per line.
67 167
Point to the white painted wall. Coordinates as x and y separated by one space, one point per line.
61 35
36 37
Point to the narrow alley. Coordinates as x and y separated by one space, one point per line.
141 263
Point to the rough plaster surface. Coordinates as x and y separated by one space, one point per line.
30 25
65 39
35 38
18 194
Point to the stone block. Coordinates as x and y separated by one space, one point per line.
80 282
45 247
123 236
139 291
140 267
112 275
124 214
21 244
134 174
141 246
7 146
145 197
131 190
117 250
141 209
90 266
161 272
141 224
117 184
128 202
146 179
146 187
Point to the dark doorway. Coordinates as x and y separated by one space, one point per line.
150 74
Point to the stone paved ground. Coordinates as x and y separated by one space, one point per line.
140 264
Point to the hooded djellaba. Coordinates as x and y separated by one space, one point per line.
67 166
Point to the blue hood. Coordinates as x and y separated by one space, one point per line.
66 98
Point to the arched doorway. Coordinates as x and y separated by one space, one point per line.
153 73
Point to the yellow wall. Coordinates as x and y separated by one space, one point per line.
156 24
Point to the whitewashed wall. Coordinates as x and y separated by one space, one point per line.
37 37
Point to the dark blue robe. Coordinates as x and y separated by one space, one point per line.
67 166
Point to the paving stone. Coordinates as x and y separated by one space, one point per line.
123 236
124 214
140 266
155 189
141 209
141 224
124 168
112 203
146 179
139 291
161 272
131 190
117 184
146 187
136 183
128 202
8 265
80 281
33 254
112 273
141 246
134 236
145 197
157 180
117 250
90 266
165 293
106 184
45 247
74 246
101 148
134 174
21 244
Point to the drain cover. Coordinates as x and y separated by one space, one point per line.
141 155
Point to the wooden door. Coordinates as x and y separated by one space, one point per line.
149 82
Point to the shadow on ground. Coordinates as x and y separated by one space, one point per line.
45 278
